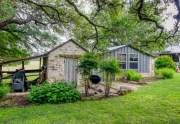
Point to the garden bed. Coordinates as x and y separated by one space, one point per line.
155 103
143 81
96 92
15 99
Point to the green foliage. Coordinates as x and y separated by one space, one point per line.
9 46
158 103
57 92
6 9
4 89
165 73
133 75
88 61
17 41
165 62
110 66
125 28
121 26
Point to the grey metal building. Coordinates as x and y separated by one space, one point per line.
133 58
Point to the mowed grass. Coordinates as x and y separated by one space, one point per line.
158 103
29 65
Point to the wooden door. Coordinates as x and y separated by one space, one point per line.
70 71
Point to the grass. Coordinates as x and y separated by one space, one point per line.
158 103
33 64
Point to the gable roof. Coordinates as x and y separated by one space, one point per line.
70 40
43 55
116 47
121 46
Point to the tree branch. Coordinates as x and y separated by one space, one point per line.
144 17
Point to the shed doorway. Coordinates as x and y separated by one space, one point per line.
70 70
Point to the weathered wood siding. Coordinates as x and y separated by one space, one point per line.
70 70
144 60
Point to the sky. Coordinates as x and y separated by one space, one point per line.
169 13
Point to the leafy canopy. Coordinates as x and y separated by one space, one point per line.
110 65
30 24
88 61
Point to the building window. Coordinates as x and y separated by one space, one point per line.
122 60
133 61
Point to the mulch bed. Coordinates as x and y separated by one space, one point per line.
143 81
95 93
10 101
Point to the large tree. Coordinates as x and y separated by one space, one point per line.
95 23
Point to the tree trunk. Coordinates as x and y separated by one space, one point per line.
108 84
86 85
86 88
1 75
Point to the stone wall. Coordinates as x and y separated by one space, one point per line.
55 69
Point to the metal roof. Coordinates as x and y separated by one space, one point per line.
120 46
173 49
116 47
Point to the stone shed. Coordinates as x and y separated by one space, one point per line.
58 64
62 62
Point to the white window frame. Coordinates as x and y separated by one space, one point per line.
129 61
120 61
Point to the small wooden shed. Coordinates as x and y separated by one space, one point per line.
131 58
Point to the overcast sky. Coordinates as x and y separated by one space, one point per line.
169 13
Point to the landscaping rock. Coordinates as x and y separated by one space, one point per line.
100 90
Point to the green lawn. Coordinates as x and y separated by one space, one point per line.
158 103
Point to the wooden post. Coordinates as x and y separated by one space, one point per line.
1 74
22 64
40 66
45 64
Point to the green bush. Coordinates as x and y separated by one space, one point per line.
4 89
57 92
133 75
165 62
165 73
88 61
110 67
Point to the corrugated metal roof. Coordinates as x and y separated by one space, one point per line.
173 49
116 47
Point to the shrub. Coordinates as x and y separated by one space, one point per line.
110 67
4 89
165 73
57 92
133 75
165 62
88 62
